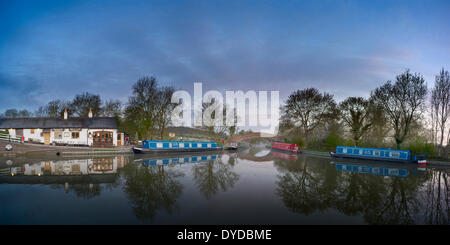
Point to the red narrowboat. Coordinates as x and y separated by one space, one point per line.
286 147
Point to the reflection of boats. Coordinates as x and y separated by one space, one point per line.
157 146
178 160
285 147
374 170
284 155
377 154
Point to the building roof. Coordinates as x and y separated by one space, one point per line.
54 122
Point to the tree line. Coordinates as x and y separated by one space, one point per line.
397 114
79 106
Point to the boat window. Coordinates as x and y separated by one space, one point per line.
395 154
159 145
376 153
344 150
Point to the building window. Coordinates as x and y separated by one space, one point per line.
58 134
75 135
32 131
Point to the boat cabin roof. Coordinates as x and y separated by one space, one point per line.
367 148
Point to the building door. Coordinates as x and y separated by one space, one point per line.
46 138
103 138
119 139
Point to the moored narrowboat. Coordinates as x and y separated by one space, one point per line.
231 146
157 146
377 154
285 147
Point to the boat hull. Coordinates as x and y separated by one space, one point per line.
231 148
286 151
138 150
368 158
286 147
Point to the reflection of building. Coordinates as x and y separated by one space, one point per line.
82 176
70 167
381 171
87 131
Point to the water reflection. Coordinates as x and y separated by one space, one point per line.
214 176
380 171
304 188
302 185
151 188
373 192
437 192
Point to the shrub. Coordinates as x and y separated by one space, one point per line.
333 140
420 146
298 141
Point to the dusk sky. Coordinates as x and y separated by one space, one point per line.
56 49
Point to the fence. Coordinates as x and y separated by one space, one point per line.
7 137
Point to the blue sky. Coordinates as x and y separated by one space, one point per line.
56 49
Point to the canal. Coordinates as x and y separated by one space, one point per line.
253 186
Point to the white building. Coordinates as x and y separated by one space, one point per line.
82 131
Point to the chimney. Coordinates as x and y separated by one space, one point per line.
90 113
65 114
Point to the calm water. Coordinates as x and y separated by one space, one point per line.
255 186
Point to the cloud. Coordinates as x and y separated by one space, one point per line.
105 48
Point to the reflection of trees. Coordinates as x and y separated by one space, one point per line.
214 176
302 189
437 195
312 184
150 189
398 204
85 189
231 160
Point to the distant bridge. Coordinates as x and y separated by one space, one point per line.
249 136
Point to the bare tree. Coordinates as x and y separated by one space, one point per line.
215 132
355 112
112 108
309 109
440 104
55 108
11 113
402 101
83 103
164 108
140 111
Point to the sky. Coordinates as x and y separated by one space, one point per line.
57 49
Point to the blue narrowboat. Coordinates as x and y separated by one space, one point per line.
377 154
158 146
